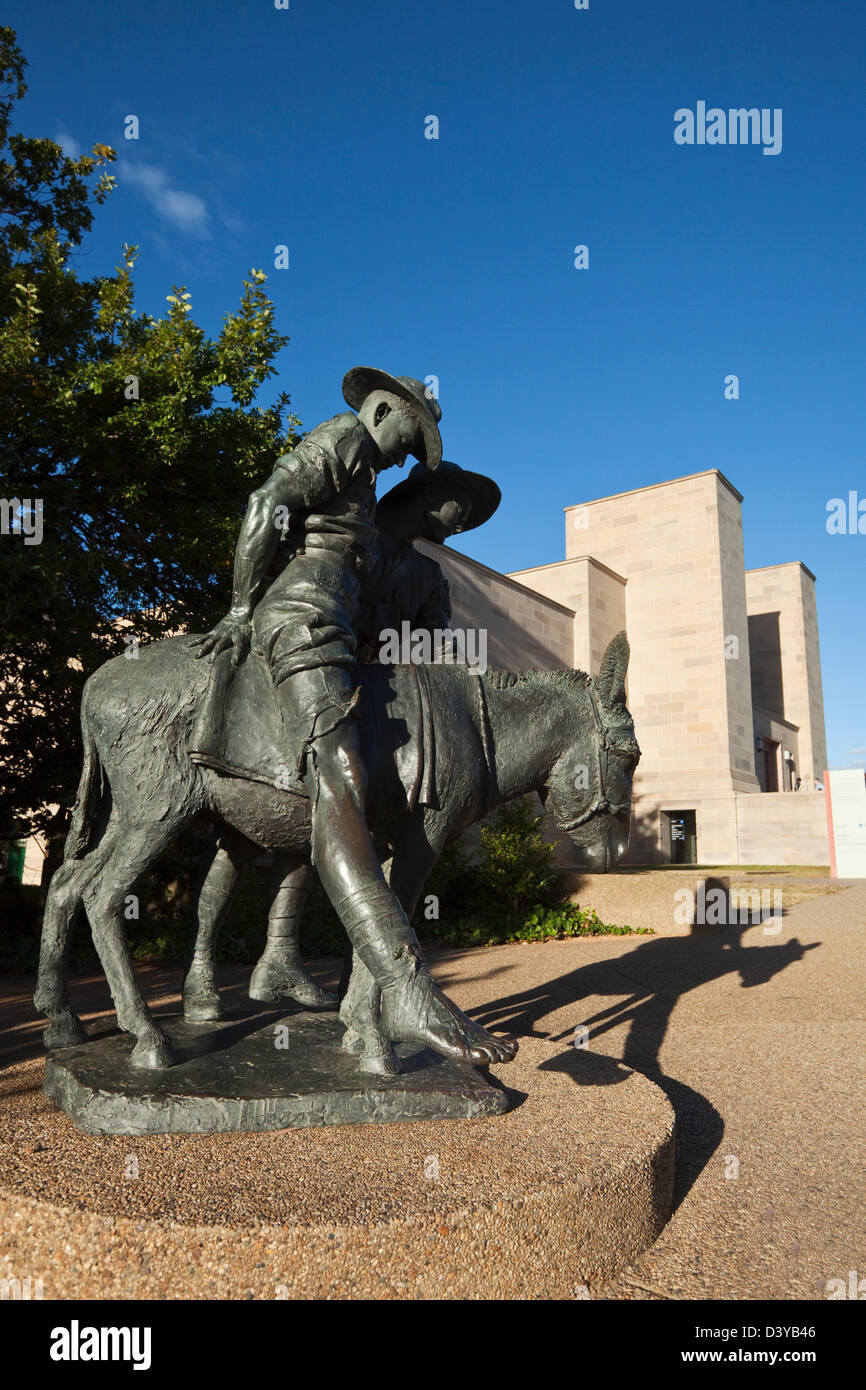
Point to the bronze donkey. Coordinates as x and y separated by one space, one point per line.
487 739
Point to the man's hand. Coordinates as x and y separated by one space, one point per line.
231 631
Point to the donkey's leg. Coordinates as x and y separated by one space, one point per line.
61 905
414 857
201 1001
280 973
359 1012
135 851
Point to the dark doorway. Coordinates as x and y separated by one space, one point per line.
684 837
771 765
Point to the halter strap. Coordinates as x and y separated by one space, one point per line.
601 727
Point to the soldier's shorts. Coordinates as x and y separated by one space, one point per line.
305 626
308 617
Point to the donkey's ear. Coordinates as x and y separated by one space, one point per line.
610 681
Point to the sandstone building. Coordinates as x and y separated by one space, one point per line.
725 675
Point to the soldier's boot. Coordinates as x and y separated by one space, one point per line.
280 973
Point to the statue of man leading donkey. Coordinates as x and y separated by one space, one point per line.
288 738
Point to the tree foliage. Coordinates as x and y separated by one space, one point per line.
141 437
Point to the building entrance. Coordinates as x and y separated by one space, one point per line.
771 765
684 837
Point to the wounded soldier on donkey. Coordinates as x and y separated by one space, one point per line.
307 624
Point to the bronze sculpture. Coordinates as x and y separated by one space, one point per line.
320 758
305 626
405 586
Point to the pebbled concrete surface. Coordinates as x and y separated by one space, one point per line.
573 1181
645 897
757 1041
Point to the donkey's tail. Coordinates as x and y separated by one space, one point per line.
89 796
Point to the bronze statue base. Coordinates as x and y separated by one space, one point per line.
263 1070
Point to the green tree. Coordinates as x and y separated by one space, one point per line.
140 436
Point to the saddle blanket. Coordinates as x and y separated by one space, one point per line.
239 729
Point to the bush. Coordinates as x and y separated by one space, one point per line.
510 895
516 863
539 923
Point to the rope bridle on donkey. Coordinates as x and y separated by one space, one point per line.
605 745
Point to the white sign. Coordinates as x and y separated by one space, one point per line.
845 793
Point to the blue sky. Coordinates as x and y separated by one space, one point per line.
454 256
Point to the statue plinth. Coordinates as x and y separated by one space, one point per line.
233 1076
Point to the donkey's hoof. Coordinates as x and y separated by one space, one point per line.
202 1010
152 1056
312 996
265 985
64 1032
374 1055
352 1041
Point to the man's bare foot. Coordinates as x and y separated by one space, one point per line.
415 1010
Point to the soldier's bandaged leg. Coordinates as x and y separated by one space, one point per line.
321 702
412 1006
315 703
413 1009
325 722
382 936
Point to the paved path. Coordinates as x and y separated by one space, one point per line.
757 1041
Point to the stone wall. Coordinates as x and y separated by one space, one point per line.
666 562
595 593
679 547
740 828
780 828
789 591
525 630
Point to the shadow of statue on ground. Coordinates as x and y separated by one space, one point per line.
649 981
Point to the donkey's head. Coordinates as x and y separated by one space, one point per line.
589 788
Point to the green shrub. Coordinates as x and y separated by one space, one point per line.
538 923
510 895
516 863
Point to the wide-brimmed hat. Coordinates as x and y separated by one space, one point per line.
484 492
360 381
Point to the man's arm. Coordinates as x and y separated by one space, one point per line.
319 469
258 540
256 547
435 610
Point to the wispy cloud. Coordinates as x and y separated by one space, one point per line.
229 173
69 145
855 752
186 211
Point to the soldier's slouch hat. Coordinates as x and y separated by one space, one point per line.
484 492
360 381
